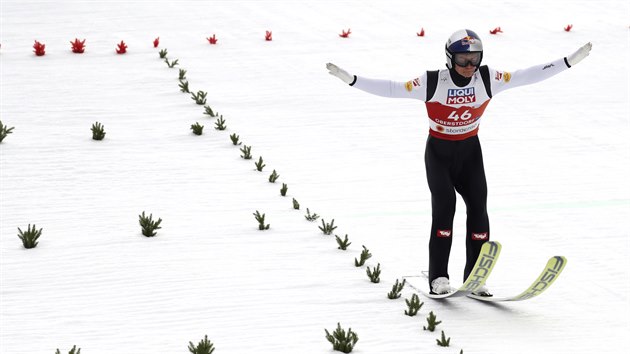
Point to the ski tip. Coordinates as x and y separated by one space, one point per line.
557 263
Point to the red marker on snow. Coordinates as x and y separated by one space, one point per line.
345 34
78 46
122 48
40 49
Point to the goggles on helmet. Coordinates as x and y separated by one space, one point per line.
465 59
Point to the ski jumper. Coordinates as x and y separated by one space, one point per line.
453 157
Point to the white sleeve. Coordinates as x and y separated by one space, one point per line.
503 80
416 88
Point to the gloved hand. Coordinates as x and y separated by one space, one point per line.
343 75
579 54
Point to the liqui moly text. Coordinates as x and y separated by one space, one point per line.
461 96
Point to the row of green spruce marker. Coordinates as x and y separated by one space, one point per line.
341 340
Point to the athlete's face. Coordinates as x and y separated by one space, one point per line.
466 71
466 63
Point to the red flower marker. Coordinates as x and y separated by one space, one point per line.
156 42
78 46
345 34
421 33
496 30
40 49
213 39
268 36
122 48
568 28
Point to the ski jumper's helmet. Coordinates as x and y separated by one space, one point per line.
463 41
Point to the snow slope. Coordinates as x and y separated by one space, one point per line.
557 157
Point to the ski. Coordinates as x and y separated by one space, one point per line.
552 271
488 257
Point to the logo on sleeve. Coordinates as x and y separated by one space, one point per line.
409 85
503 76
461 96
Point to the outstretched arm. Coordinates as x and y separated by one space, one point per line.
503 80
386 88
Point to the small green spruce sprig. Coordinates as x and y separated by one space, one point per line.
171 64
220 124
343 244
29 238
284 189
444 342
247 152
326 228
210 112
396 289
296 204
98 131
414 305
311 217
260 164
163 53
72 351
261 221
375 276
149 225
199 97
197 128
432 322
365 255
342 341
234 139
4 131
183 86
204 347
182 74
273 177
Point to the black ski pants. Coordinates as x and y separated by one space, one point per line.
455 166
